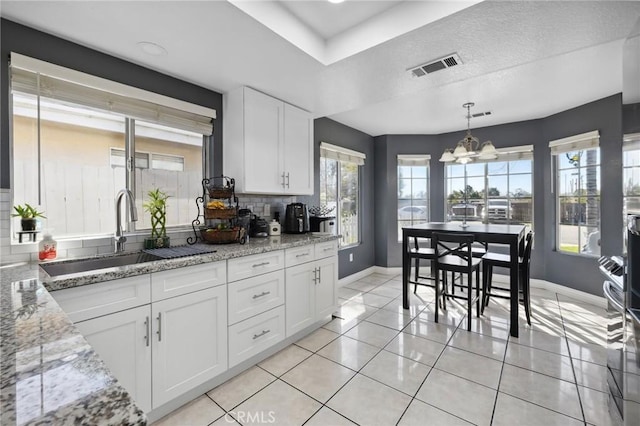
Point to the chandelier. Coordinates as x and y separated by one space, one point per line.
469 147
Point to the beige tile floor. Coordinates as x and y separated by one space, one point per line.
378 364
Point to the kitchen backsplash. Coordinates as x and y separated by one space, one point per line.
70 248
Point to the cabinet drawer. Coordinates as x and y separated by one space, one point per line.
255 295
176 282
326 249
94 300
297 255
250 266
252 336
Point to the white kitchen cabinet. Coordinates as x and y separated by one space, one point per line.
252 296
189 342
256 334
310 290
122 340
268 144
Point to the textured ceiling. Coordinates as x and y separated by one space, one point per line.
521 60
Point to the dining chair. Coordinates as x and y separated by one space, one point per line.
456 258
492 259
418 253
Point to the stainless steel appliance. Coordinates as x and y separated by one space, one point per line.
296 219
259 227
622 290
325 225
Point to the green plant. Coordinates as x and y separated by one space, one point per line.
27 212
157 207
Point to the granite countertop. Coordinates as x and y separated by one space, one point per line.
49 374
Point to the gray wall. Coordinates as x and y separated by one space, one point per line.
27 41
577 272
327 130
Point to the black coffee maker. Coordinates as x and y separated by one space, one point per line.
296 219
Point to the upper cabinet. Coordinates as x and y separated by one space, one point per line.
268 144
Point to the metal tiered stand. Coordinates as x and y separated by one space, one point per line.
217 220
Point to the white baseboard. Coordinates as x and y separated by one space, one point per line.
537 283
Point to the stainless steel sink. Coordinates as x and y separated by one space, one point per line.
84 265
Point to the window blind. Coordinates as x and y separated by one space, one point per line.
575 143
631 142
335 152
413 160
523 152
36 77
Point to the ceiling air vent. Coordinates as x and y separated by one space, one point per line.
437 65
481 114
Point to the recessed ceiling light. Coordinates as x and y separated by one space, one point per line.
336 1
152 48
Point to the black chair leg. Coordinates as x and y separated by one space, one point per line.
477 293
526 296
437 294
469 301
415 287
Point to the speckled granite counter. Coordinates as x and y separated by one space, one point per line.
49 373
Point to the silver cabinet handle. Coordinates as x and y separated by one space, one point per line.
287 179
255 336
302 254
320 275
328 248
315 275
159 332
146 327
264 293
283 185
257 265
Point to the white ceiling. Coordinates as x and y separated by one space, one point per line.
521 60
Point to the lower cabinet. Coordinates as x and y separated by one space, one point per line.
189 342
123 342
181 342
310 293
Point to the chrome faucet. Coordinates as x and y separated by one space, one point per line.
119 238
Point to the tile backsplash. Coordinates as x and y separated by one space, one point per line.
13 252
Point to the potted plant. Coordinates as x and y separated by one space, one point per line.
157 207
28 216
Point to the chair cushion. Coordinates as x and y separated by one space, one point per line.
499 259
456 261
426 251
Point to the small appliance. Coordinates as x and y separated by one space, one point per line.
274 228
296 219
326 225
259 227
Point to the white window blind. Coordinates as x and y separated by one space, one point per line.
631 142
335 152
41 78
575 143
413 160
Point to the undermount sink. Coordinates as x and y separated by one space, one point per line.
84 265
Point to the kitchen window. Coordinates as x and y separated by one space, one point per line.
413 190
576 162
340 189
495 191
631 174
73 148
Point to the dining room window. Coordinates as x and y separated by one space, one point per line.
74 146
492 191
413 190
576 163
340 189
631 174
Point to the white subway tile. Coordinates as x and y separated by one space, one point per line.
69 244
24 248
81 252
96 242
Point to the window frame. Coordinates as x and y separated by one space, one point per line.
583 142
515 153
343 155
630 142
413 160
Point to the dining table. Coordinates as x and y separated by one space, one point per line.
510 235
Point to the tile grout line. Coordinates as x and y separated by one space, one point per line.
504 361
573 368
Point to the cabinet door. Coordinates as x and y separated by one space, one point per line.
189 342
299 295
122 342
325 287
263 117
298 151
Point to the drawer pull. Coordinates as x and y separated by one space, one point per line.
264 293
328 248
256 336
159 332
302 254
257 265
